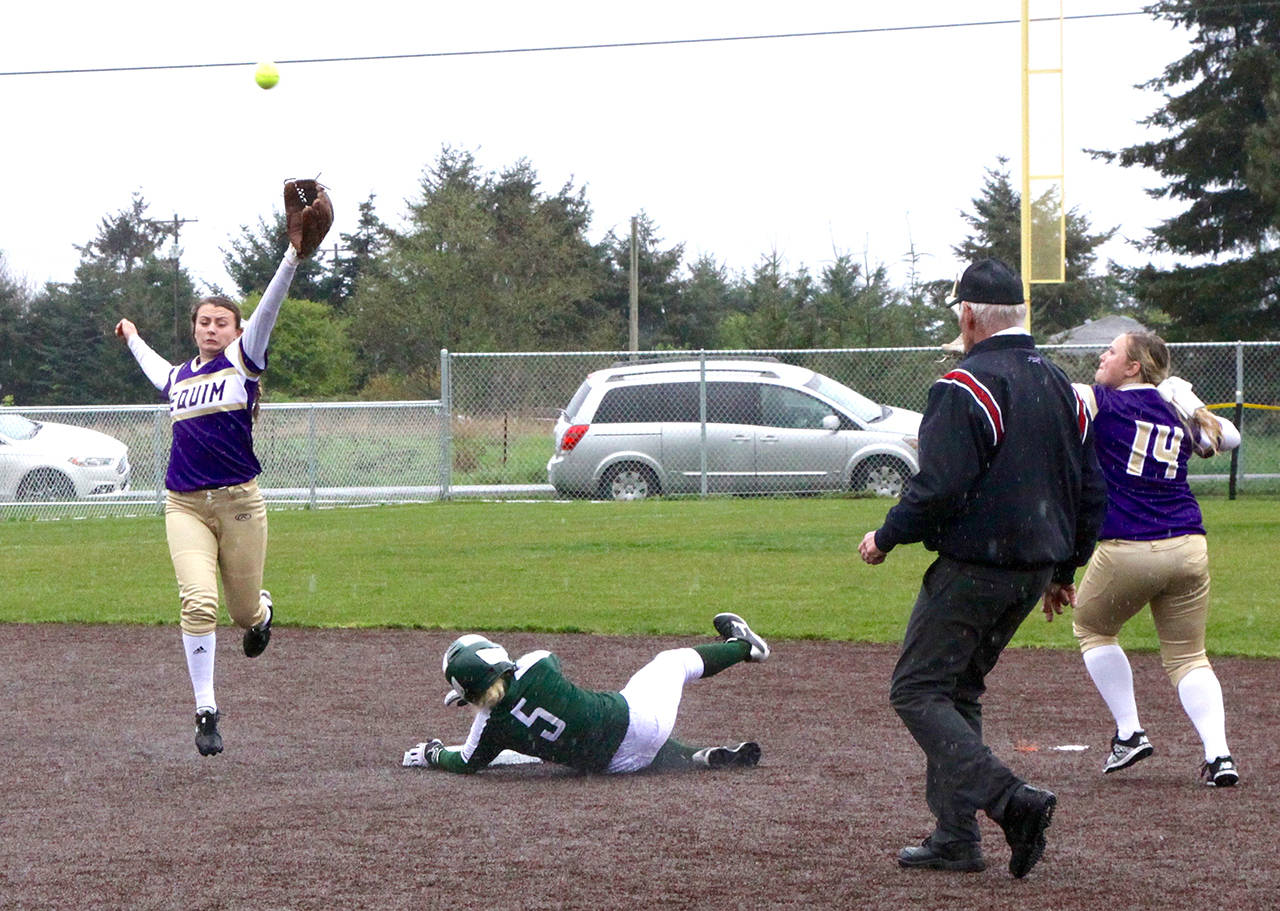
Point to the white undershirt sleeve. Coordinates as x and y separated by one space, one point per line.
1230 434
257 329
153 365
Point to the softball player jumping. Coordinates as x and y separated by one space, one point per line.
530 707
215 516
1151 549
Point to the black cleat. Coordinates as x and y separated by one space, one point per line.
208 740
1125 753
731 626
1221 773
256 637
1028 814
744 755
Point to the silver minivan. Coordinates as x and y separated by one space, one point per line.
735 426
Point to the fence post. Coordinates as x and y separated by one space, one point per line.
446 425
312 456
702 417
159 457
1239 416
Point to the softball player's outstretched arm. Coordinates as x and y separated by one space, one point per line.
153 365
257 329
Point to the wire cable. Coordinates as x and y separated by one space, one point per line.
665 42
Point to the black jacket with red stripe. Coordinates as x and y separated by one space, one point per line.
1008 474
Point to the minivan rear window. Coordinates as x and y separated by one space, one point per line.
727 403
649 402
571 410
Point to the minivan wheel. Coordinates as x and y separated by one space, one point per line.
881 475
628 481
46 484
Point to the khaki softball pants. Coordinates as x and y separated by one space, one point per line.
1172 575
212 533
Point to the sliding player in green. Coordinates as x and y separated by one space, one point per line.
530 707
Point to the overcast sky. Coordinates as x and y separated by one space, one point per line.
864 143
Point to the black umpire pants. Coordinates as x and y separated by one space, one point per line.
964 616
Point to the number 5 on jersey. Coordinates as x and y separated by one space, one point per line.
538 714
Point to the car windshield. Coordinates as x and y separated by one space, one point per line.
857 404
16 427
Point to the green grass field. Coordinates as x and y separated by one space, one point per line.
654 567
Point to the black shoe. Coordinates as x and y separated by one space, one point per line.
956 859
256 637
1028 814
208 740
1221 773
744 755
731 626
1125 753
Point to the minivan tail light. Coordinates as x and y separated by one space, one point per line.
571 436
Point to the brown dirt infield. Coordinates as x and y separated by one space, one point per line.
106 803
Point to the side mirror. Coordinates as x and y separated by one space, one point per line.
830 422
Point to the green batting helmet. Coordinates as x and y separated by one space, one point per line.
472 663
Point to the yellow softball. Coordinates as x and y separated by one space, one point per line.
266 75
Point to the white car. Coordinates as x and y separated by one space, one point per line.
41 460
745 426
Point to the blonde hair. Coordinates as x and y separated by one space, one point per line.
493 695
1210 430
1150 353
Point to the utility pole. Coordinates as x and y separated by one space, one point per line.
634 322
179 322
339 292
338 250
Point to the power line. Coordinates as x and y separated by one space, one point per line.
666 42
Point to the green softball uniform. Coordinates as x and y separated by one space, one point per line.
546 715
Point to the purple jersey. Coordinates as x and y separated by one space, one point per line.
1143 449
212 403
212 410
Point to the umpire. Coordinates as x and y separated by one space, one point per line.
1010 496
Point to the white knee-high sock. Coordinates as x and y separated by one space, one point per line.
1201 696
199 651
1109 667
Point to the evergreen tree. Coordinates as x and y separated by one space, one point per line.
778 309
996 232
361 249
15 304
487 262
708 295
859 307
1221 156
255 255
663 318
68 345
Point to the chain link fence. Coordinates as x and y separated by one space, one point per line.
312 455
505 408
494 430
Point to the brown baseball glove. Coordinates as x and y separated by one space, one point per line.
308 214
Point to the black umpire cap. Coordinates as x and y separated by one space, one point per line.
987 282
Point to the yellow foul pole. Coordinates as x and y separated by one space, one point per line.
1043 216
1025 220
